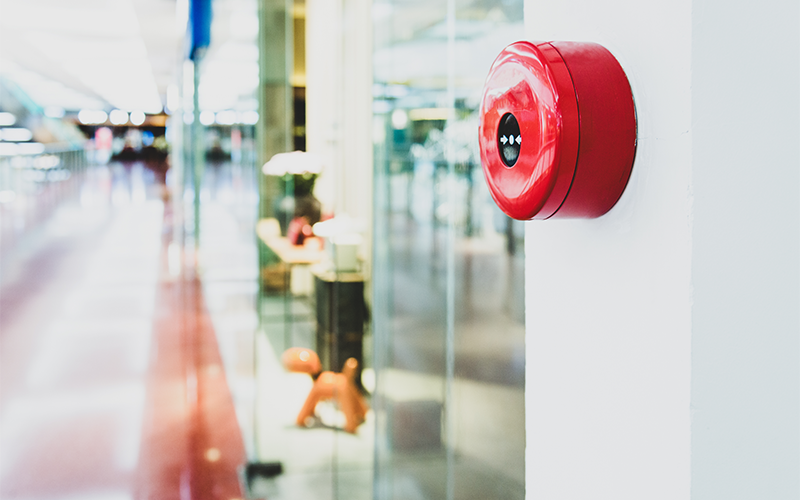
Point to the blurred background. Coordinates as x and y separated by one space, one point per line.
189 188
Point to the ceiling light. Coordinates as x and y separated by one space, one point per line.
248 117
226 117
399 119
118 117
92 117
137 117
7 119
207 118
16 134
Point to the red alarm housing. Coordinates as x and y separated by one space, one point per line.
557 130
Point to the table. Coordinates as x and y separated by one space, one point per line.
297 258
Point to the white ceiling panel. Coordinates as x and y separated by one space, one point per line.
122 53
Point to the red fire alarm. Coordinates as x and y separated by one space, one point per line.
557 130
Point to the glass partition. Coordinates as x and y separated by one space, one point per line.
448 302
314 263
434 313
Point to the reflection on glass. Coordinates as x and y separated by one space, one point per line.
448 301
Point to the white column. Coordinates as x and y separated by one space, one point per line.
324 75
608 301
339 104
663 339
746 250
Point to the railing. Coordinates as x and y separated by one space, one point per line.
37 170
33 184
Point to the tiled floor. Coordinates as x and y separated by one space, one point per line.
111 385
323 463
319 462
127 372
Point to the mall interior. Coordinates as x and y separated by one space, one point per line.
248 251
203 204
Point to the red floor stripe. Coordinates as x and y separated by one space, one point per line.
191 444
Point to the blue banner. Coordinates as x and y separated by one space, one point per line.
199 26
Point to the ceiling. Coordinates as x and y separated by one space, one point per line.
106 54
126 54
91 53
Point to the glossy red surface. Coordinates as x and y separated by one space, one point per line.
608 130
577 126
525 83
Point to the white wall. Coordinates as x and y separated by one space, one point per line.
746 250
617 355
609 300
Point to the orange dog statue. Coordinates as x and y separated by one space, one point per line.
328 385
